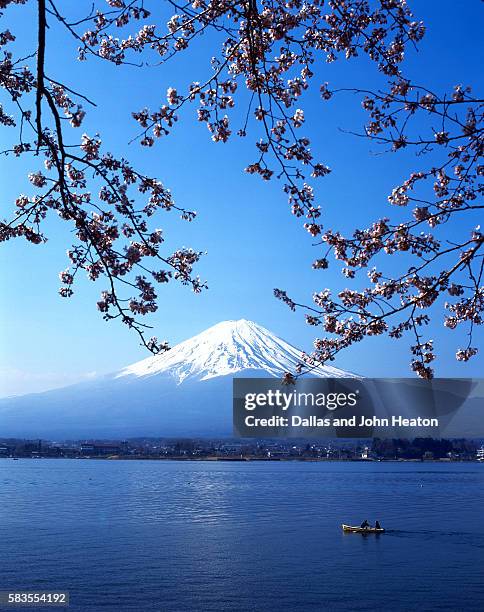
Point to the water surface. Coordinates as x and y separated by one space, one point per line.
176 536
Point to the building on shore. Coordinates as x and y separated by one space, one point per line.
89 449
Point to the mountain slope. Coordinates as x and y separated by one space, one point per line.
186 392
223 350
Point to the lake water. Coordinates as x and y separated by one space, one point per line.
190 536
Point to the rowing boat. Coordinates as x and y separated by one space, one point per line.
349 528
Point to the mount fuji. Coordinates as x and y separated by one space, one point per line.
185 392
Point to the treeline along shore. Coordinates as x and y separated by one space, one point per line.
419 449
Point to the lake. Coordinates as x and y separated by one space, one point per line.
217 536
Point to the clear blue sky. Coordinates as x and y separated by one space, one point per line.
253 242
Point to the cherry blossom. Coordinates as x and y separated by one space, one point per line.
263 60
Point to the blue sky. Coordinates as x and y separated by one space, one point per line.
253 243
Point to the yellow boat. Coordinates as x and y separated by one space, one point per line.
349 528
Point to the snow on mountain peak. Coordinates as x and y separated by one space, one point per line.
223 350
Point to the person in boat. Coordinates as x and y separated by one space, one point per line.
377 525
365 525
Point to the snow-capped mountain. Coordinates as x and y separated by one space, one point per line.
185 392
225 349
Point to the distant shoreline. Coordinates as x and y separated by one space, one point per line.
179 449
248 459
